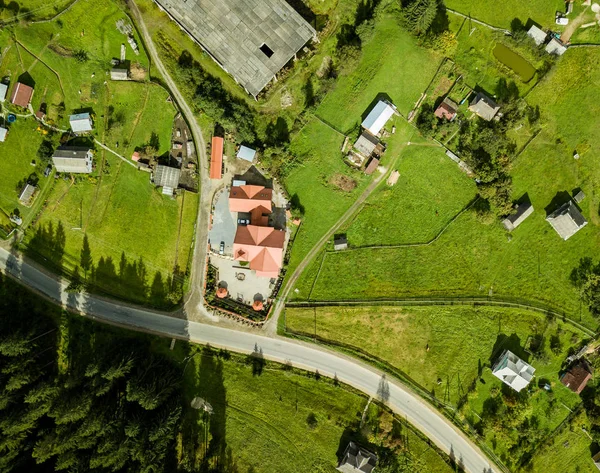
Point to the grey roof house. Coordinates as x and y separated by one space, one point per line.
119 74
484 106
555 46
523 211
537 34
378 116
366 144
567 220
80 122
250 39
357 459
167 178
73 159
26 194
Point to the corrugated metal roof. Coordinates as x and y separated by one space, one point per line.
166 176
246 153
80 122
378 117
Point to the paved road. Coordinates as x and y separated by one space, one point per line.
347 370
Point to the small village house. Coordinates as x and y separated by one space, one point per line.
567 220
371 166
340 242
579 197
119 74
447 109
538 35
577 376
357 460
3 133
522 211
366 144
21 95
26 195
73 159
3 91
378 117
513 371
484 107
216 158
555 46
81 123
247 154
166 177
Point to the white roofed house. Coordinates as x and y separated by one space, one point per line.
247 154
81 123
513 371
3 133
567 220
378 117
3 91
167 178
538 35
119 74
357 460
73 159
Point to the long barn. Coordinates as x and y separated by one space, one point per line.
250 39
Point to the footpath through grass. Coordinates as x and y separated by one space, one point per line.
447 350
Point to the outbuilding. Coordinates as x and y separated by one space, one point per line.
26 194
119 74
3 133
522 211
577 376
81 123
538 35
555 46
167 178
22 94
3 91
216 158
247 154
567 220
378 117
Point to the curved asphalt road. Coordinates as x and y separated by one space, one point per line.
347 370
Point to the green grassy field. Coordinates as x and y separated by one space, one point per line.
501 15
261 420
28 9
445 350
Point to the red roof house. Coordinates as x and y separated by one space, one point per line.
262 247
216 158
577 377
22 94
372 166
248 198
447 109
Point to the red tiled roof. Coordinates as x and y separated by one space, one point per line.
445 111
21 96
262 247
372 166
216 157
248 198
576 377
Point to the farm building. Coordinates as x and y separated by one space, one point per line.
513 371
357 460
577 376
579 197
216 158
371 166
119 74
447 109
262 247
523 211
366 144
3 91
484 107
247 154
22 94
167 178
378 117
72 159
537 34
393 179
251 40
27 194
3 133
340 243
80 122
555 46
567 220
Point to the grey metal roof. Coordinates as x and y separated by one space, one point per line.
366 144
233 31
119 74
73 159
357 459
555 46
80 122
484 106
245 153
538 35
26 194
166 176
3 91
378 117
567 220
524 210
3 132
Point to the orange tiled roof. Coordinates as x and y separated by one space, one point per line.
248 198
216 157
262 247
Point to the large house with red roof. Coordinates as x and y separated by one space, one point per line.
256 243
21 95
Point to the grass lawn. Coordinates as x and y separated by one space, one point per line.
262 420
431 190
446 349
502 14
391 64
31 9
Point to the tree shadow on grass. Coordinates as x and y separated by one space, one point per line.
506 342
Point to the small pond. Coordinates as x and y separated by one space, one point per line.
511 59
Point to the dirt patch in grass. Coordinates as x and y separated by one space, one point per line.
138 72
344 183
61 50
